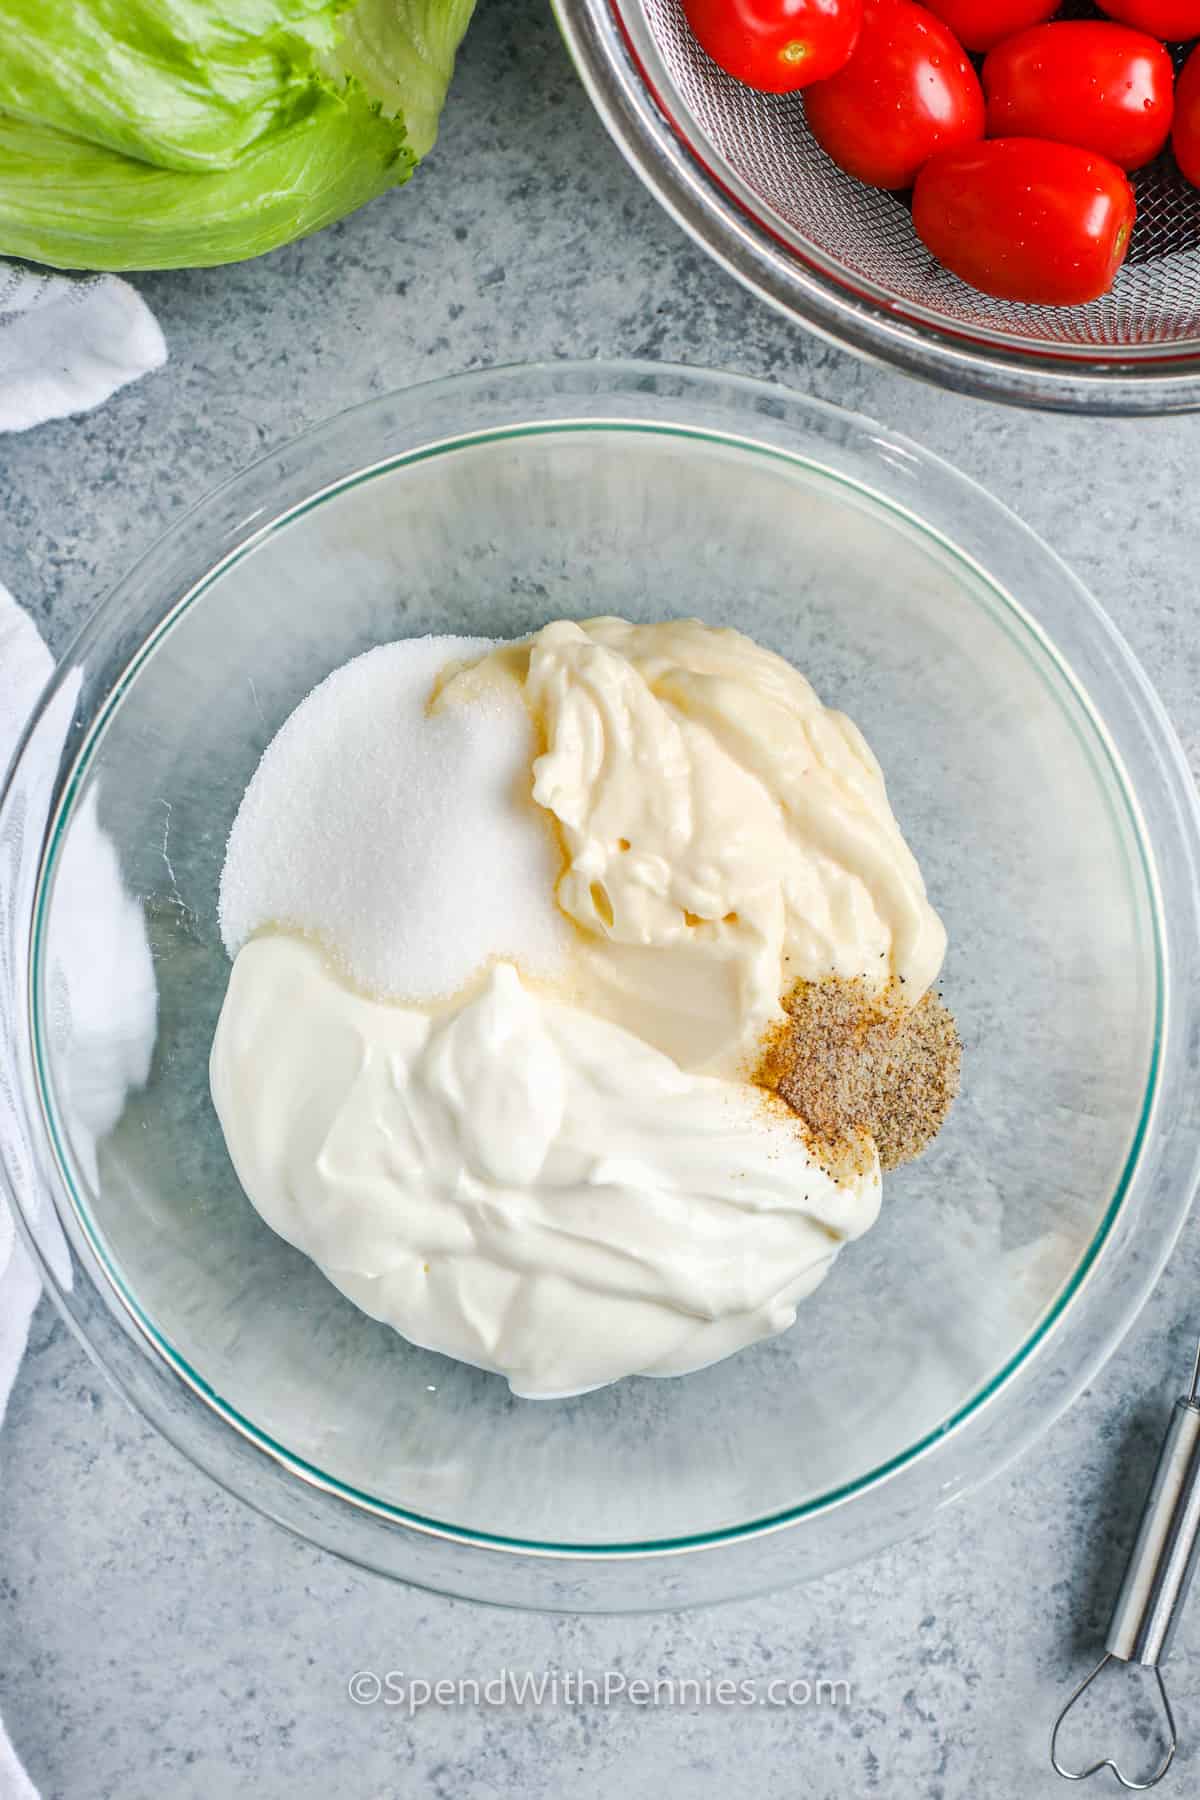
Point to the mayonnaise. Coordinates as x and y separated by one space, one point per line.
725 835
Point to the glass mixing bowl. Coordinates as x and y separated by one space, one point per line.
1035 776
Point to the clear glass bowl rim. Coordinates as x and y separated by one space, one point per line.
574 394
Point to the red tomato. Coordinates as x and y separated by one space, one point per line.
1173 20
978 24
1024 219
1086 82
1185 139
907 91
777 45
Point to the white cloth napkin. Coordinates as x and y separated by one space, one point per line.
25 665
96 949
66 343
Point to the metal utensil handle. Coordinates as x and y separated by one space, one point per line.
1164 1557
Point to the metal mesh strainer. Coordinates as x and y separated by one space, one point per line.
741 171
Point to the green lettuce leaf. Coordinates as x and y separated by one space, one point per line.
184 84
76 205
139 134
403 53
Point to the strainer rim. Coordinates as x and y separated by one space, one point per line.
639 105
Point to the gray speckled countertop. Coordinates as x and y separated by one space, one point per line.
158 1641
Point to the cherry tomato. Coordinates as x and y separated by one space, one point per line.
907 91
777 45
1173 20
978 24
1024 219
1185 139
1086 82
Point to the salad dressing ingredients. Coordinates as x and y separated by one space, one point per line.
518 1183
406 845
724 834
849 1062
509 925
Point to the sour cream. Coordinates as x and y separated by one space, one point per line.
519 1183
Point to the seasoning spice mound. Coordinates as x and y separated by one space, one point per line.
847 1061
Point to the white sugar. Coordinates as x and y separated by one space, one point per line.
407 844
